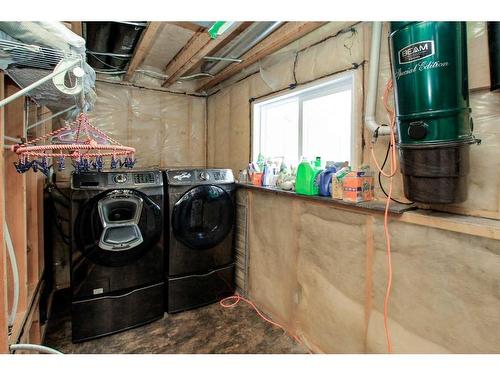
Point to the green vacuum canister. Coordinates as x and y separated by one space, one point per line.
433 117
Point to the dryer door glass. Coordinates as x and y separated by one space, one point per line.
117 227
203 217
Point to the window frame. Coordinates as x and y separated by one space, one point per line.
315 89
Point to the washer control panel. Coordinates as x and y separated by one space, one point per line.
106 180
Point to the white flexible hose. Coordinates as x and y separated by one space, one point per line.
34 348
15 274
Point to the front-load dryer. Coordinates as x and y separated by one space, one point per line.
200 223
117 251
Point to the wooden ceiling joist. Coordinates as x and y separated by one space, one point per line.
286 34
188 25
76 27
143 47
199 46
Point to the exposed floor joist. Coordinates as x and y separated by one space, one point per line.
196 48
285 35
143 47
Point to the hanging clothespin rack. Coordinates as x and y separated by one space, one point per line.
85 144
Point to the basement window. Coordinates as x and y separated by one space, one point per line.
314 121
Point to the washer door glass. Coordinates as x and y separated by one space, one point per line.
203 217
117 227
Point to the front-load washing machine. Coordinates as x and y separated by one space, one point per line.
117 251
199 222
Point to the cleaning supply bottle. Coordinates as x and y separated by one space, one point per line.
317 162
306 182
260 162
268 175
325 179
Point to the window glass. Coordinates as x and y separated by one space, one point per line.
279 130
327 126
311 122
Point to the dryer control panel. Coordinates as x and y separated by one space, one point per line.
199 176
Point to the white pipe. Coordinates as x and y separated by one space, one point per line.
371 97
12 139
36 348
34 85
15 274
50 117
215 58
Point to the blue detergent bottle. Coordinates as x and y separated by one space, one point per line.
325 179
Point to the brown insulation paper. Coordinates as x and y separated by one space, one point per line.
167 130
323 274
445 294
331 276
273 256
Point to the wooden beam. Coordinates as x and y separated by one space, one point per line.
143 47
76 27
199 46
286 34
188 26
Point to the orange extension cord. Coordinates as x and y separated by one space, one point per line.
237 298
393 162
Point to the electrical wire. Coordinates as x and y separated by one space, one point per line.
236 298
35 348
15 275
380 179
390 175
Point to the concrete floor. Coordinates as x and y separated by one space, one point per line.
210 329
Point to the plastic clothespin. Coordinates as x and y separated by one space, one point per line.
44 166
98 163
129 162
61 163
85 164
76 166
114 162
22 166
34 165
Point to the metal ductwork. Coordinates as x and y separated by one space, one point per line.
239 46
110 45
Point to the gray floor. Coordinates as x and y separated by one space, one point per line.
210 329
